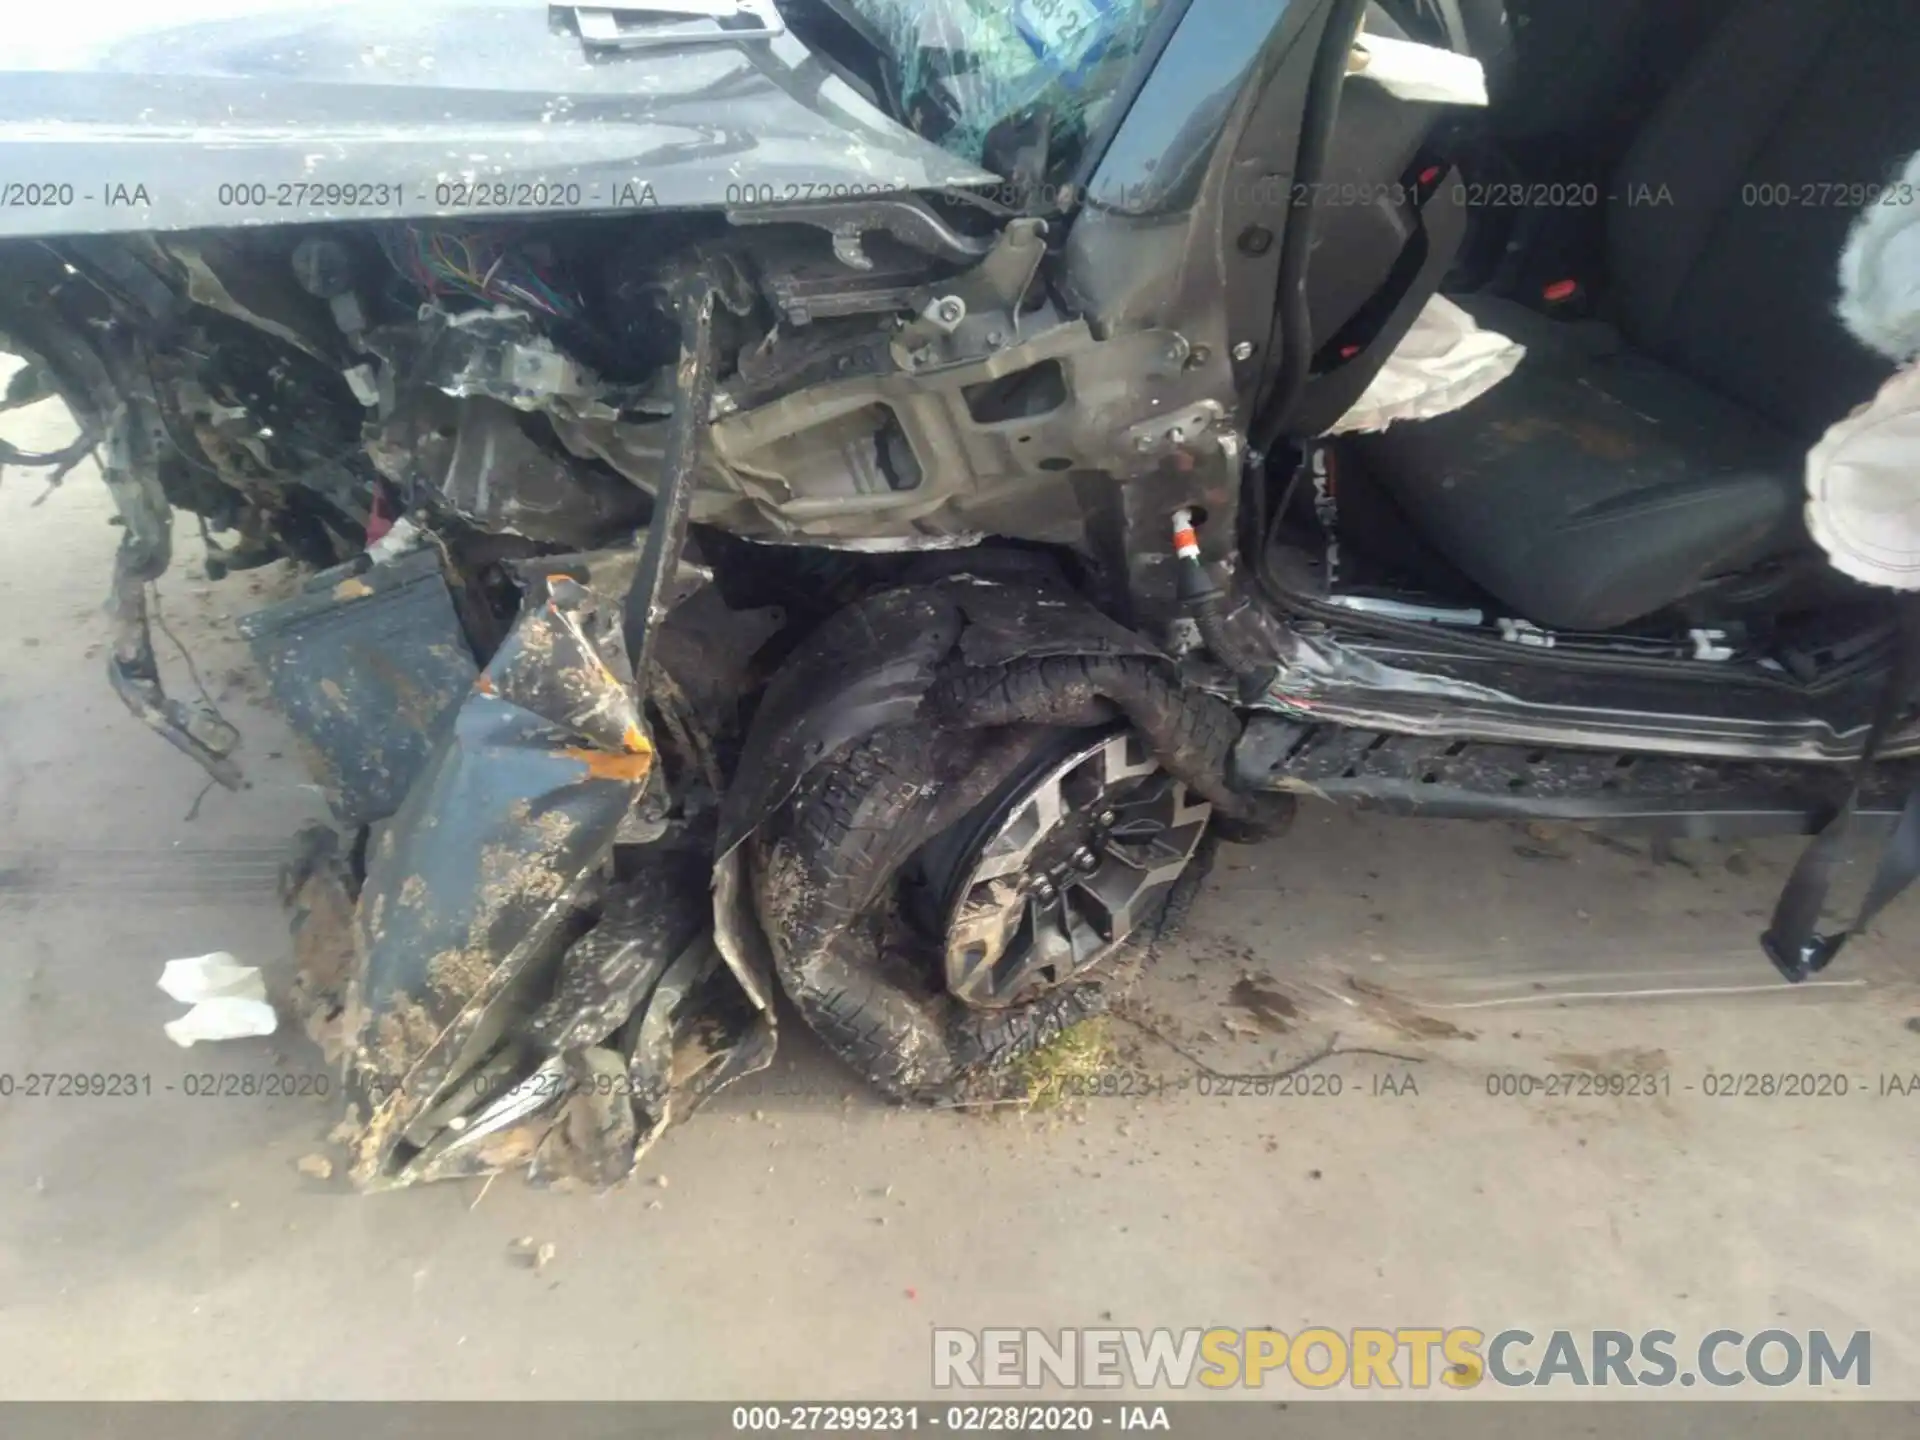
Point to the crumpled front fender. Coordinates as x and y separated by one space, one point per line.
471 882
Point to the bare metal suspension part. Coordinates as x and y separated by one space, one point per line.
694 296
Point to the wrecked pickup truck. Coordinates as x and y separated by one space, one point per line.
853 500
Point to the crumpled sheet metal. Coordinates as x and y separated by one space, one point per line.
586 1115
365 663
645 924
476 456
470 883
697 1033
645 1021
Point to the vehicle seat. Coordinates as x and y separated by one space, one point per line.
1583 70
1622 466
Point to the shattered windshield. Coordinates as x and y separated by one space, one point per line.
1017 87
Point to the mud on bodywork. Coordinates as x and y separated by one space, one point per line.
366 663
521 964
503 995
518 988
575 866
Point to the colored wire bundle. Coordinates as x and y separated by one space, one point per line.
484 263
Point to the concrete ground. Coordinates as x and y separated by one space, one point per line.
798 1238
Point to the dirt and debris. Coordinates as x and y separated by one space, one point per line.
1544 840
532 1254
595 1140
363 663
514 1146
458 974
317 1166
508 871
1402 1015
316 888
1260 996
403 1033
462 899
1626 1060
1066 1068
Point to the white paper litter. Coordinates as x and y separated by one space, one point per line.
229 999
1412 71
1446 362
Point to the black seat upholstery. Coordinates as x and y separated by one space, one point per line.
1623 466
1583 70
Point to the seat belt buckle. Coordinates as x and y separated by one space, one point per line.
1805 962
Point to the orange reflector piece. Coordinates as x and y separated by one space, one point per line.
602 765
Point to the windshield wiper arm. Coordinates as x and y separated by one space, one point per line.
661 23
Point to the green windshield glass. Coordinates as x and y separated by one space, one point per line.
1016 87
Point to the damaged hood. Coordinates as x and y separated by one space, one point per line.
132 116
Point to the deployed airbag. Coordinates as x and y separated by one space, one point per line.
1446 361
1863 478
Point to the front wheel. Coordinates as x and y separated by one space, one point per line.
941 904
1054 875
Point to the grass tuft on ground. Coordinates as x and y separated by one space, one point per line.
1068 1067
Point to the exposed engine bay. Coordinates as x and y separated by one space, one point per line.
465 432
886 596
518 380
571 488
